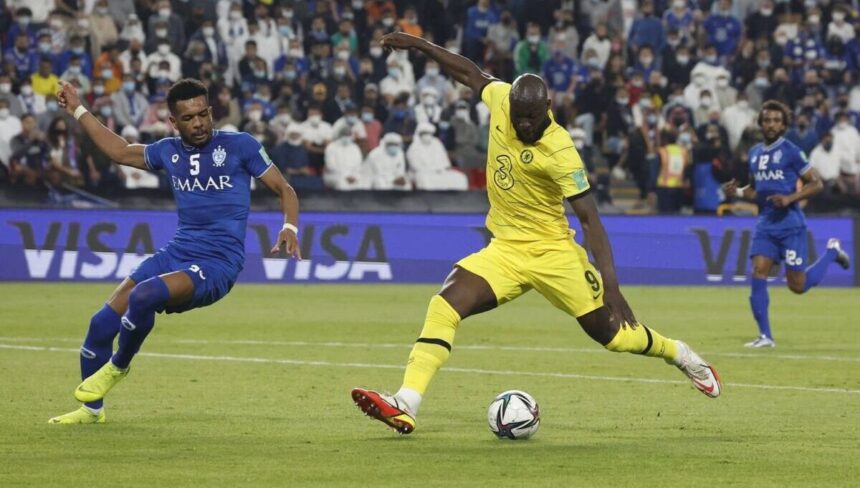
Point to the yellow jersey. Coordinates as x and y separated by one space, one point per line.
527 184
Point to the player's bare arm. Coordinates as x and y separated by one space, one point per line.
458 67
597 241
114 146
287 237
746 192
812 185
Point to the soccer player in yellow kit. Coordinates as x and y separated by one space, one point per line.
532 167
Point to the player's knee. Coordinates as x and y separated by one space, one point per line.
148 294
797 287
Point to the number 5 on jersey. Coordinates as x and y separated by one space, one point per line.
195 164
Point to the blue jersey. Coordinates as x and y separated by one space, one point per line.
775 170
212 189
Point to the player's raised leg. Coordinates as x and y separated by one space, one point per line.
96 351
648 342
145 299
463 293
760 301
816 272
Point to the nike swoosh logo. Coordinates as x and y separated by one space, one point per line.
703 387
595 296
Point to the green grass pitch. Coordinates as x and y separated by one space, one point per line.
254 391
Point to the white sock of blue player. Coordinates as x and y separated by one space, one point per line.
816 272
760 301
98 345
144 300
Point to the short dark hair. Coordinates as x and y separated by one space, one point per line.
185 89
775 106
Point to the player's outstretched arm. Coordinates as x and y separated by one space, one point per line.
459 67
114 146
597 242
288 236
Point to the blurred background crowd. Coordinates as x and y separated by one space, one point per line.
659 96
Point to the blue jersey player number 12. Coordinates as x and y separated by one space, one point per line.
780 234
210 175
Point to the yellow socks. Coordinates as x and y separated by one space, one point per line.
645 341
433 346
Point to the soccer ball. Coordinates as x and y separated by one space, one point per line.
514 414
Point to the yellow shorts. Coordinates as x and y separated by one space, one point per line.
558 269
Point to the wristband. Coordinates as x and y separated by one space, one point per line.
739 192
289 226
80 111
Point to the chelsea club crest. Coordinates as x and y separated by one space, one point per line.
218 156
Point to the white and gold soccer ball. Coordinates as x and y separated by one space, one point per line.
514 414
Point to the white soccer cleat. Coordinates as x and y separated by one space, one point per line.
761 341
841 256
703 376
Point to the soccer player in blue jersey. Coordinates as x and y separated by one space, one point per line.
210 172
780 233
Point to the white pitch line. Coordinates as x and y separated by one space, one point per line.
467 347
298 362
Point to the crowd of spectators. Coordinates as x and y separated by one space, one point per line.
662 92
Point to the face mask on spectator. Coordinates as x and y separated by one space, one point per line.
315 119
106 110
296 53
351 119
4 113
285 30
52 105
75 70
394 72
259 73
622 100
762 82
431 71
814 19
838 16
367 117
102 10
162 113
685 139
24 21
5 87
705 102
344 55
743 104
462 113
78 50
392 149
164 74
26 90
290 75
533 39
345 140
161 33
164 12
208 31
107 73
699 80
339 71
711 59
260 137
426 137
84 23
683 59
376 51
646 60
255 115
99 90
44 47
722 82
652 119
235 14
164 49
674 42
128 86
388 21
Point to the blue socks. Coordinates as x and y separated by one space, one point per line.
759 301
144 300
98 345
816 272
